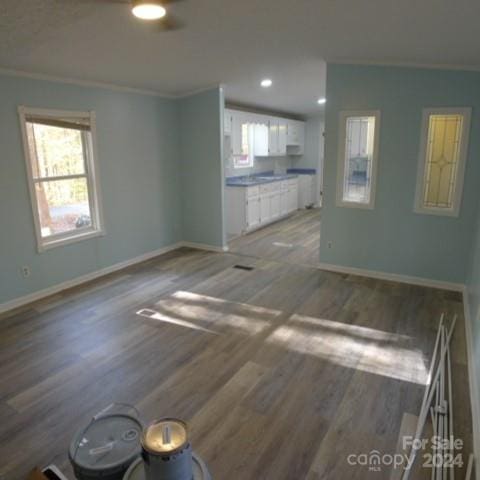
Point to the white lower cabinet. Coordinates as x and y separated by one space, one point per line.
292 199
292 196
248 208
275 205
253 212
307 190
264 208
283 203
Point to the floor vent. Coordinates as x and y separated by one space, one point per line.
243 267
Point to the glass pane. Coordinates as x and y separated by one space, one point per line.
55 151
63 205
358 159
241 161
443 154
247 138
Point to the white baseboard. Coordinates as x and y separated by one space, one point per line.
473 381
393 277
46 292
204 246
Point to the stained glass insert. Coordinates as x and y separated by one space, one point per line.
442 160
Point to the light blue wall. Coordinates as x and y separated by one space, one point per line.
201 167
473 298
138 147
391 238
313 144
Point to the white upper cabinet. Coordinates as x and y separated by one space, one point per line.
282 137
262 135
273 137
295 137
277 136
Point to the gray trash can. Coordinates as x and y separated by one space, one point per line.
107 446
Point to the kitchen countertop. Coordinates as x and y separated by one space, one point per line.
252 180
302 171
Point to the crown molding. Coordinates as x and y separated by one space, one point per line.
108 86
430 66
82 83
200 90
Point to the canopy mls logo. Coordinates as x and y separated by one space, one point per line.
438 451
374 460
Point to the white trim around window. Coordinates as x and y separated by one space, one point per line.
453 209
342 199
86 123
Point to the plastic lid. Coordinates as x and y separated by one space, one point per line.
167 435
107 442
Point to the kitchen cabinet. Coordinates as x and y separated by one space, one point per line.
264 208
282 137
272 137
275 205
295 137
263 136
252 207
277 137
283 202
307 190
292 196
253 212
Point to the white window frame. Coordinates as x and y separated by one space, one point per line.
419 207
96 211
344 114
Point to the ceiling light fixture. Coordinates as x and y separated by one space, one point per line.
321 101
148 9
266 83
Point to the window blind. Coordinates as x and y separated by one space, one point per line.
72 123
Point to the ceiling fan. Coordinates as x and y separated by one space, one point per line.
154 11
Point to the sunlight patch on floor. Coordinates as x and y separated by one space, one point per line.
281 244
149 313
352 346
211 314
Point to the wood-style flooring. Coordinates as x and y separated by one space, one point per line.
294 240
281 372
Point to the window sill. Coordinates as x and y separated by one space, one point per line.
47 245
437 212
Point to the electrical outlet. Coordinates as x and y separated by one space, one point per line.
26 271
329 244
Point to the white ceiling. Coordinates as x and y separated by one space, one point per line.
236 43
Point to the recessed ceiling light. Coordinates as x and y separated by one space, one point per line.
148 9
321 101
266 82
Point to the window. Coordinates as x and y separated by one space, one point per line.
59 151
244 158
441 166
357 160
